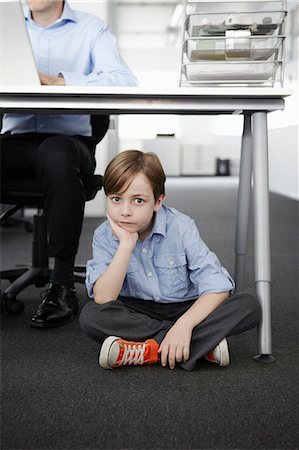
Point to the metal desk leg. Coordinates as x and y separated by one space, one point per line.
243 206
262 232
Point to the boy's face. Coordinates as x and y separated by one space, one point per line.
133 209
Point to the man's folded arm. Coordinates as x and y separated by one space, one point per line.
108 67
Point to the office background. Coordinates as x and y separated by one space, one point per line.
55 396
152 48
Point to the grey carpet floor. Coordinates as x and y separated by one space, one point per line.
55 396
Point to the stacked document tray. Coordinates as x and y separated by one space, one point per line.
233 43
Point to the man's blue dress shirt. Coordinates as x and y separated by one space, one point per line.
81 48
172 264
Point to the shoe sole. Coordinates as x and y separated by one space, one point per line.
105 350
224 353
54 325
49 325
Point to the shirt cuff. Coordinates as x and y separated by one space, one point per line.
73 79
220 282
91 277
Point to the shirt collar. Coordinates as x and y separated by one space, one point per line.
67 14
160 222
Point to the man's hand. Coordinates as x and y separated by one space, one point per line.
124 236
49 80
175 346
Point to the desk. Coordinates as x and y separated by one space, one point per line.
253 103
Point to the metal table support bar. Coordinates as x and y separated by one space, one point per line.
243 205
262 231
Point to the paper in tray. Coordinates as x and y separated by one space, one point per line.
218 24
226 71
233 48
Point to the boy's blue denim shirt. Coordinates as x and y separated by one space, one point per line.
172 264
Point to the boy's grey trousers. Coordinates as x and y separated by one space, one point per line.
138 320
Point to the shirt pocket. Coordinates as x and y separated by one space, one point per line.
172 274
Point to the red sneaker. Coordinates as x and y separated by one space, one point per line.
220 354
117 352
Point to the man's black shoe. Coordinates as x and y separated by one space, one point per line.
58 307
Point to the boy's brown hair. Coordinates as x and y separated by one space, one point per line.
122 169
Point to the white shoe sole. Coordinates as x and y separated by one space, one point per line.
224 353
105 352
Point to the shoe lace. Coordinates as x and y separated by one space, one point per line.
133 354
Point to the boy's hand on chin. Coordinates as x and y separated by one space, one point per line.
124 236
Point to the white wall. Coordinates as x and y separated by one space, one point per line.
283 161
284 125
96 7
155 60
225 131
284 148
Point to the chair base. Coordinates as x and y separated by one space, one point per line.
22 277
29 192
7 220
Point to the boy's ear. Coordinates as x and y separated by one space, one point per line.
159 202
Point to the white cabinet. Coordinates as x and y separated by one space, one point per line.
198 160
168 151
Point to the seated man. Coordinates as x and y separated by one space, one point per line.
70 48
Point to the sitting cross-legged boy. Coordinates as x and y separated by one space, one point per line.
159 294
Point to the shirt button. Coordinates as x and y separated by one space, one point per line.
149 274
157 299
144 250
171 262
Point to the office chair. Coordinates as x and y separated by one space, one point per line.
24 193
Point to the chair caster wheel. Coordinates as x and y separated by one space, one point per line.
13 306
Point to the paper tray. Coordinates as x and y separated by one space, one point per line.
258 23
237 48
229 71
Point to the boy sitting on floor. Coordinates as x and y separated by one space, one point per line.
159 293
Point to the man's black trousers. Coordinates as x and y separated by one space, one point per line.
60 162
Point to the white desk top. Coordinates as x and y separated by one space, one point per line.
148 91
133 100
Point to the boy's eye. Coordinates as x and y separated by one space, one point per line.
115 199
139 201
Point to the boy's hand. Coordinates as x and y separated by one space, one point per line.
122 234
175 346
